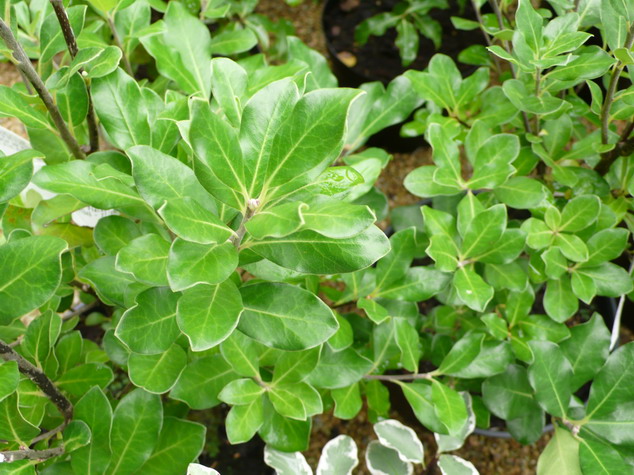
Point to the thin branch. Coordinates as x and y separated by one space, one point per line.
40 379
71 43
28 454
119 43
79 310
236 239
24 64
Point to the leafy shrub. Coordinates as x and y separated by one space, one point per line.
239 260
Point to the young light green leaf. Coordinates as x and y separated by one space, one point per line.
463 352
190 220
112 233
348 401
244 421
150 326
9 378
561 455
449 407
240 392
579 213
146 259
190 264
208 314
15 173
472 289
157 373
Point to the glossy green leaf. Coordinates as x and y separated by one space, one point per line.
13 426
463 352
191 221
559 301
600 458
136 425
338 219
112 233
180 442
285 434
157 373
76 435
241 352
78 380
9 378
551 375
208 314
201 382
243 422
295 366
190 264
150 326
111 286
15 173
449 406
285 317
484 231
472 289
521 193
94 409
348 401
606 245
509 395
145 258
278 221
561 455
312 253
339 369
30 272
240 392
579 213
419 396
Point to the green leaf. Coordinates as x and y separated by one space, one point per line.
597 457
407 340
41 336
312 253
530 24
180 442
579 213
286 463
440 84
160 177
278 221
571 246
76 435
462 353
587 349
13 104
240 392
77 178
112 233
382 459
551 375
418 284
9 378
51 37
493 359
293 367
373 310
509 395
295 400
94 409
242 353
191 221
348 401
453 465
607 409
233 42
30 272
229 85
472 289
449 407
591 62
420 182
610 279
311 138
339 369
521 192
395 435
208 314
13 426
561 455
136 424
191 264
285 434
15 173
150 326
419 396
243 422
606 245
217 155
395 264
338 220
126 126
157 373
145 258
111 286
559 301
285 317
407 41
201 382
339 456
78 380
484 231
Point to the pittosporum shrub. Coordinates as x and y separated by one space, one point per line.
239 260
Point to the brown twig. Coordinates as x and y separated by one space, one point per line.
71 43
41 380
23 63
28 454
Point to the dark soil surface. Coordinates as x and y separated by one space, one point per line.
379 58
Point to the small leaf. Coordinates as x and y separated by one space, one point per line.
338 457
190 264
240 392
453 465
449 406
381 460
157 373
286 463
393 434
472 289
244 421
561 455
